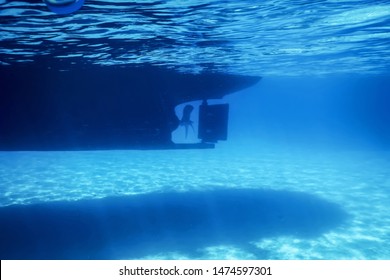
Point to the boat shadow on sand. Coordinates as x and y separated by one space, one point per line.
151 224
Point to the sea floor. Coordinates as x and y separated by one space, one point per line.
195 204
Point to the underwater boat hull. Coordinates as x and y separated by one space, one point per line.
100 107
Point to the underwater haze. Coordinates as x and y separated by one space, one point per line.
304 173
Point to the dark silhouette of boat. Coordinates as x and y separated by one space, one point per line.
107 107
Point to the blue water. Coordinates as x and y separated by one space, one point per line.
304 173
270 37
